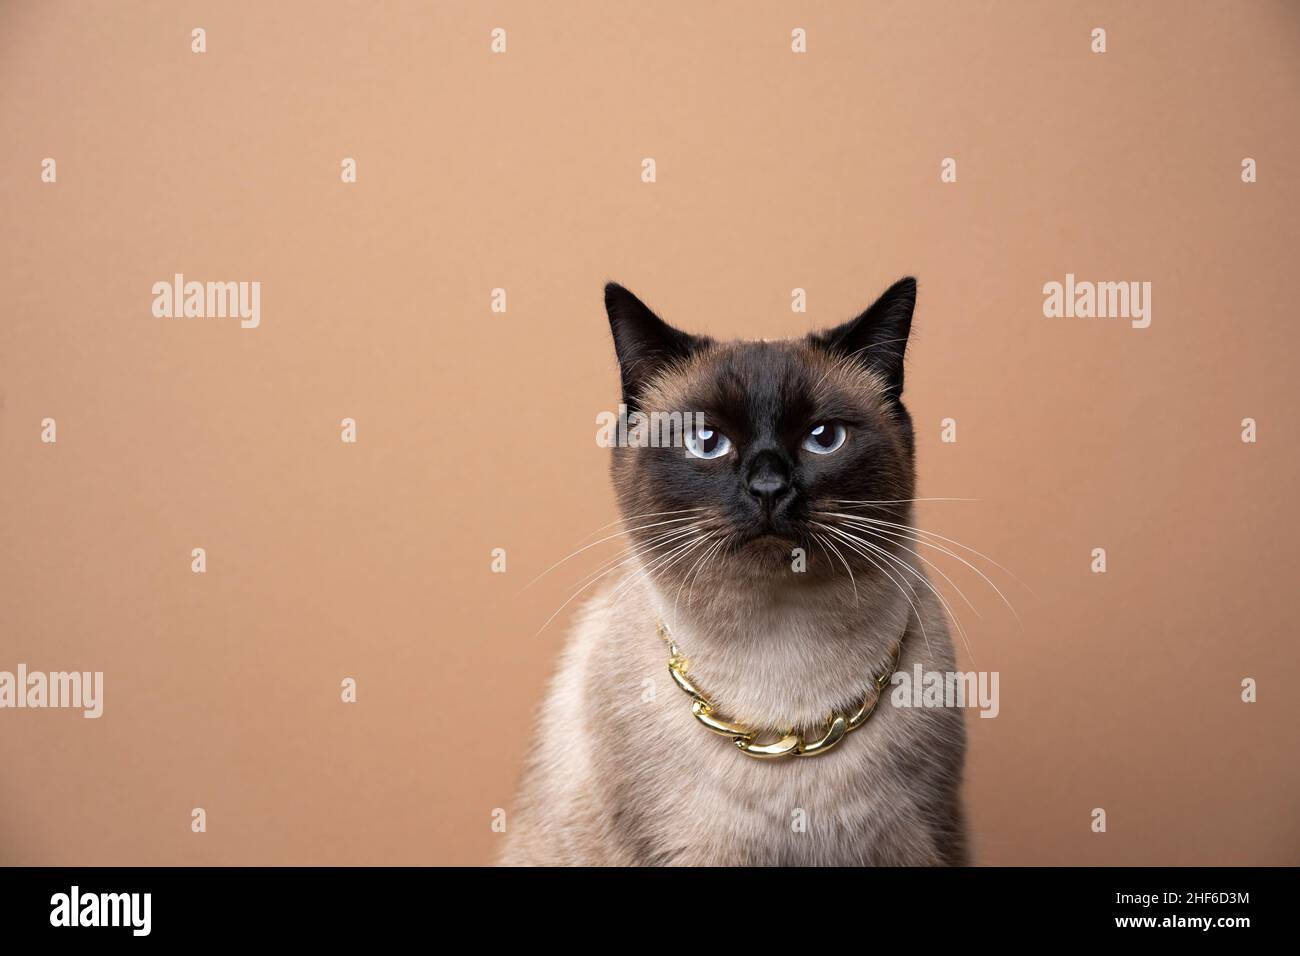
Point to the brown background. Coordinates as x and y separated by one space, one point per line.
476 430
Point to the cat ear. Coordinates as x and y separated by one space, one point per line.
644 342
878 337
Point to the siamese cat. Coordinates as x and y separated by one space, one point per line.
772 551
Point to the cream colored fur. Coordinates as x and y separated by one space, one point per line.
623 774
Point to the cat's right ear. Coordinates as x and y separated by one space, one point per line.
877 337
645 343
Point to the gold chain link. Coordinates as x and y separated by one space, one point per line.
791 744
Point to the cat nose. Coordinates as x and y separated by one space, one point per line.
768 482
768 488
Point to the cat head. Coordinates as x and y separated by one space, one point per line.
783 443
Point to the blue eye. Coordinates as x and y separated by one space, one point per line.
707 443
825 439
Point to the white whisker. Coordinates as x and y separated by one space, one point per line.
930 564
922 531
885 571
897 530
657 541
892 501
638 517
961 630
674 537
694 569
713 553
662 563
611 537
852 580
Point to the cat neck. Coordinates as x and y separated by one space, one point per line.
776 655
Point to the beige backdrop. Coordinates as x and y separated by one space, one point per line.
476 430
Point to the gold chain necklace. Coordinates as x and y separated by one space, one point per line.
791 744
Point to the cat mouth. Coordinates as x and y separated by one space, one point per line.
766 537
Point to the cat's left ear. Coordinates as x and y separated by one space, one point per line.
878 337
644 342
